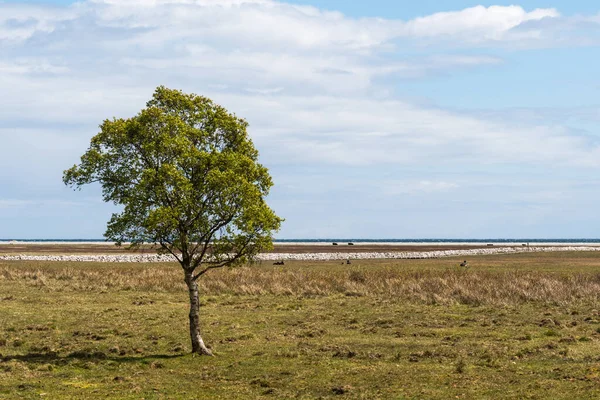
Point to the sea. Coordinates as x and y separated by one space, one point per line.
359 241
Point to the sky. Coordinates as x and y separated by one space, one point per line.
380 119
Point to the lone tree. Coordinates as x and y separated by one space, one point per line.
188 178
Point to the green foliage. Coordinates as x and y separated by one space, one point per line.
188 178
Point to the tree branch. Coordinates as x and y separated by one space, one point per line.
239 255
164 246
206 238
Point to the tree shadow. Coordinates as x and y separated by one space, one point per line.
53 357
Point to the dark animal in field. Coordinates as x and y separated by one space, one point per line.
279 263
334 243
350 244
348 262
464 264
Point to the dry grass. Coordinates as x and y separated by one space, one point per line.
430 287
421 283
518 326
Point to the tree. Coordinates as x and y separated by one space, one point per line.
187 177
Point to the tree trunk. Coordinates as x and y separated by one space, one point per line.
197 342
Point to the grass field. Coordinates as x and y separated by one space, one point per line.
511 326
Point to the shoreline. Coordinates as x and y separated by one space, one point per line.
281 249
325 244
304 256
104 248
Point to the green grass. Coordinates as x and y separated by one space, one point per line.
516 326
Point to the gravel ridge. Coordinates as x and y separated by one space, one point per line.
149 258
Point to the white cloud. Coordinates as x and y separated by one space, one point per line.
261 23
13 203
31 66
25 203
264 91
274 23
476 24
306 79
395 188
360 131
19 22
322 92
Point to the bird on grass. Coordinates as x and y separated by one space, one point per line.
464 264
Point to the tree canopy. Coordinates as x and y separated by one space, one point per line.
187 176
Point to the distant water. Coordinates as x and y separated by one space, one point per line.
328 240
438 240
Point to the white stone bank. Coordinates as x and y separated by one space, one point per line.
149 258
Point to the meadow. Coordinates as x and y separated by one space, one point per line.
509 326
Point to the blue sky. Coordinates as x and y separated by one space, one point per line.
380 119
